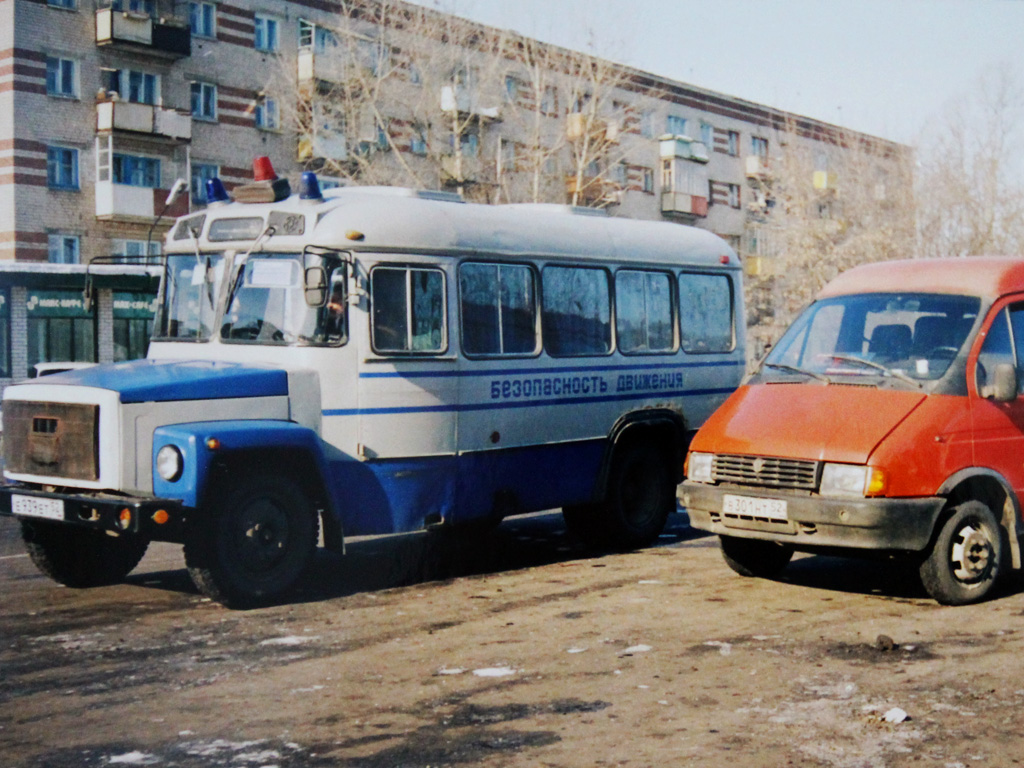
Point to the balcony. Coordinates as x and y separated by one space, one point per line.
683 205
757 167
683 148
143 118
465 103
328 66
166 37
122 202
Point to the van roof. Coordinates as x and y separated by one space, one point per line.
987 276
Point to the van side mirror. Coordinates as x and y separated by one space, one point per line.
316 286
1003 388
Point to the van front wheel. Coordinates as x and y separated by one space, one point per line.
253 542
967 557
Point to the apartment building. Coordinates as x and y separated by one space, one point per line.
105 104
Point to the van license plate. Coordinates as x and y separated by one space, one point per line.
34 506
747 506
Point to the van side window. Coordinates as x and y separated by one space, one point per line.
1017 325
577 311
408 310
499 309
705 312
643 312
998 348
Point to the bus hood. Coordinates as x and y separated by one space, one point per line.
806 421
145 381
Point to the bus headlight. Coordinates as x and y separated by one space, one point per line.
698 467
852 480
169 463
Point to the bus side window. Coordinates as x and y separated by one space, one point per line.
498 309
705 312
408 310
643 312
576 311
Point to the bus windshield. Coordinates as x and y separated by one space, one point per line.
912 337
267 303
192 286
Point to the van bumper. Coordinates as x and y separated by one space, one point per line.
813 522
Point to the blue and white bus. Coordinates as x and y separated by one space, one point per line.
373 361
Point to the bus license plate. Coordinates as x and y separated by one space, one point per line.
33 506
747 506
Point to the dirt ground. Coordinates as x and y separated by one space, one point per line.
518 650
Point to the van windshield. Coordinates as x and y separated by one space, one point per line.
908 336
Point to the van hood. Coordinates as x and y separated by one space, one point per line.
834 422
144 381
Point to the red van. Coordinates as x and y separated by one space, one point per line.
886 421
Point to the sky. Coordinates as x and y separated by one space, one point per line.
884 67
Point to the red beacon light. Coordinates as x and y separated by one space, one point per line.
266 187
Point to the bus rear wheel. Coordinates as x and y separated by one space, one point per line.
640 496
253 542
77 557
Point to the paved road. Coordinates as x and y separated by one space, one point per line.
518 650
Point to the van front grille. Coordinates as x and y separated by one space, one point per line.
53 440
766 471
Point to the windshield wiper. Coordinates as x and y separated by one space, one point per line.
878 366
794 369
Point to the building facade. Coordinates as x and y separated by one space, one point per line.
105 104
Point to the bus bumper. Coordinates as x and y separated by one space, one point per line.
158 519
811 522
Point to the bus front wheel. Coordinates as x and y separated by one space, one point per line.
253 543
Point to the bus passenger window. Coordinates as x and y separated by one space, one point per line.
643 312
705 312
576 311
408 310
499 311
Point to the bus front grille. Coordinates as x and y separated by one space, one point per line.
766 471
53 440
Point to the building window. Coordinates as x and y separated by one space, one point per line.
201 173
647 180
66 4
675 125
5 333
136 171
61 77
734 144
266 37
59 327
64 249
62 168
647 124
203 19
267 115
131 85
147 7
759 147
734 195
549 101
133 321
318 38
418 141
707 134
204 101
134 251
619 173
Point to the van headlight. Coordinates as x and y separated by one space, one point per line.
698 467
169 463
852 480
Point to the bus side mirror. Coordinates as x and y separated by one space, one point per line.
1003 388
316 286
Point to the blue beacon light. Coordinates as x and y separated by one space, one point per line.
215 192
309 187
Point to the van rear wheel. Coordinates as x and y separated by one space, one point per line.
967 558
253 542
753 557
78 557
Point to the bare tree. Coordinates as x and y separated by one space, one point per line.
970 194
